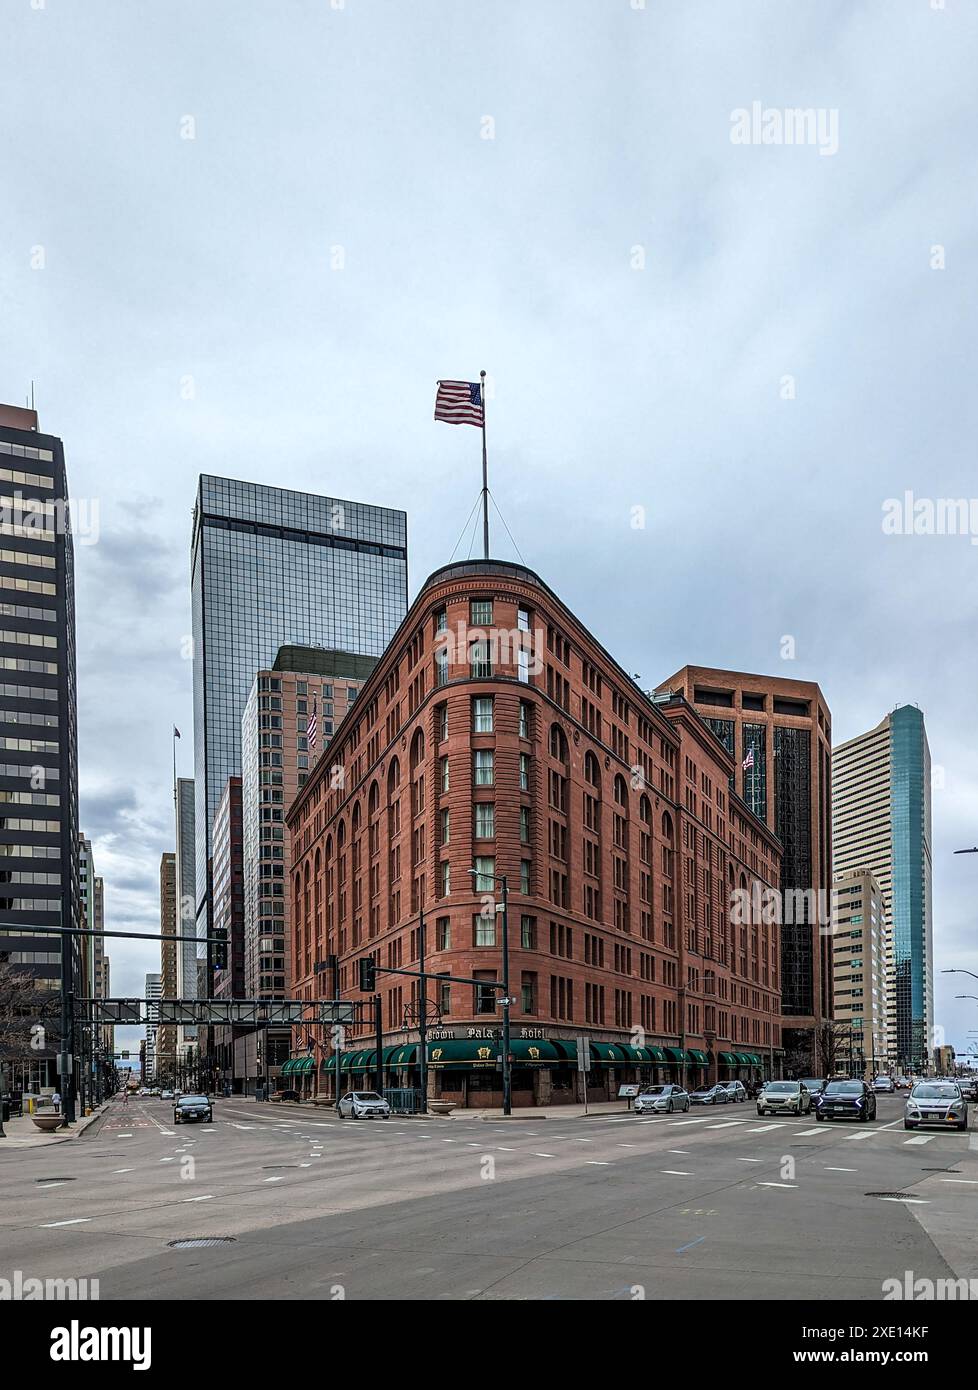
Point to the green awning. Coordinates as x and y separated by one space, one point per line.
528 1052
403 1056
566 1048
639 1055
675 1054
287 1068
700 1059
753 1059
608 1054
729 1059
298 1064
656 1054
472 1052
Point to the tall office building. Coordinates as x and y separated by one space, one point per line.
166 1039
185 877
859 971
270 566
154 992
38 729
779 732
881 818
276 761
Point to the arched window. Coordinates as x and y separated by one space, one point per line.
558 744
592 773
645 810
667 826
621 792
417 751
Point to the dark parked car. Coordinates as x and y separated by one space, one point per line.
846 1100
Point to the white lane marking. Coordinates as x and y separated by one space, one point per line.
676 1123
750 1160
306 1165
908 1201
449 1141
727 1124
208 1198
237 1126
168 1160
675 1172
830 1169
864 1134
502 1149
626 1146
763 1129
803 1133
41 1186
209 1131
971 1182
682 1151
777 1184
75 1221
597 1162
920 1139
123 1170
544 1155
580 1141
274 1179
123 1136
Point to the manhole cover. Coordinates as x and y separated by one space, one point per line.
197 1242
900 1196
54 1179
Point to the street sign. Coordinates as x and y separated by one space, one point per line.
335 1011
583 1055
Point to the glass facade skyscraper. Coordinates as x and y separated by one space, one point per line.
882 823
271 567
39 844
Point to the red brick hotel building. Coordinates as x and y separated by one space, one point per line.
497 734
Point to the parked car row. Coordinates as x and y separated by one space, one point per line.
667 1098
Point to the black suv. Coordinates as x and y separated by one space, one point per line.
845 1100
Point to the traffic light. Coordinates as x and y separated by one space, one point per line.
221 948
368 974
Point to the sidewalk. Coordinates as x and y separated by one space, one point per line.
22 1133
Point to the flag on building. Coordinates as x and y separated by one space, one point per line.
460 403
748 761
312 728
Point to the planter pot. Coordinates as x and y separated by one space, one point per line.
48 1123
441 1107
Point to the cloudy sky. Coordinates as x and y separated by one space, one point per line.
246 238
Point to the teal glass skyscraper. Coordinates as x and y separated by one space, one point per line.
881 817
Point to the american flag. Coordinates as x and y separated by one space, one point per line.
459 403
748 761
312 728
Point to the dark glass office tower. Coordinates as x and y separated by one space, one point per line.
39 877
272 567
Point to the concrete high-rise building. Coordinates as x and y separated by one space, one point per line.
154 992
859 970
38 728
276 762
882 823
781 730
187 984
270 566
166 1040
228 917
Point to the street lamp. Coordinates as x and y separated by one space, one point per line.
505 1001
960 972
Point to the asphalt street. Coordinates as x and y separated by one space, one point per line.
714 1204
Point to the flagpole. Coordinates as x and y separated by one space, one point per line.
485 472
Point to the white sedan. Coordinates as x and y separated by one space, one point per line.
364 1105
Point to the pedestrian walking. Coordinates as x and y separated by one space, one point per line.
56 1102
